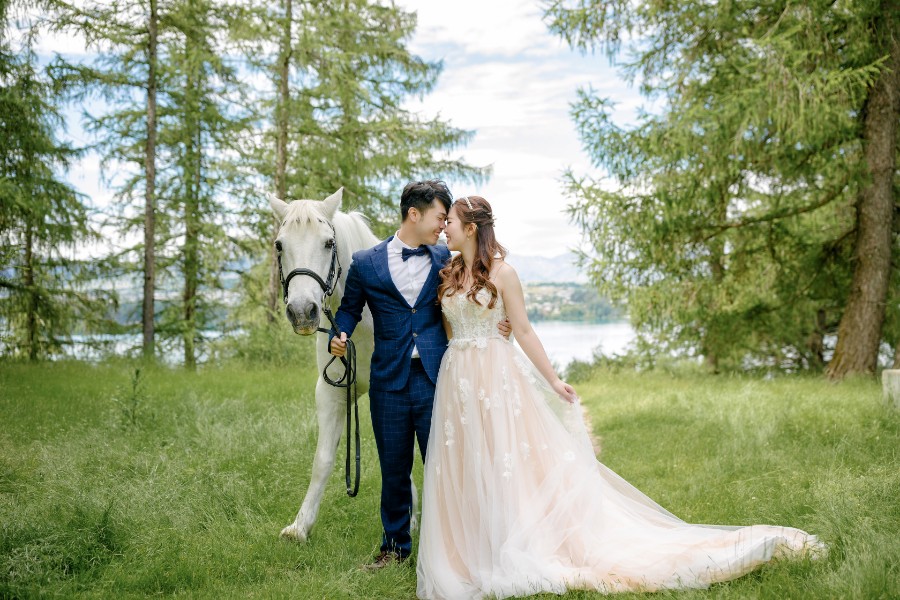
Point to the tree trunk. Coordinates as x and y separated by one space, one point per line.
284 98
191 261
147 317
816 342
274 294
193 165
859 333
711 342
191 274
28 279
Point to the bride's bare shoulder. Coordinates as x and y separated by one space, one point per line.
505 274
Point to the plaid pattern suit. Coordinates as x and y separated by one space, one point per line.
401 390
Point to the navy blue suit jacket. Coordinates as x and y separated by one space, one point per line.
397 324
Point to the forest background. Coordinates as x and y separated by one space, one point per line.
749 218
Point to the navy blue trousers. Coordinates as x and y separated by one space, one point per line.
399 418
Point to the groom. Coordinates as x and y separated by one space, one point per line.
398 279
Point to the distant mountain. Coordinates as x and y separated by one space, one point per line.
540 269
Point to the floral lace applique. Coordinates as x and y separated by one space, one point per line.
505 375
524 369
507 463
526 450
517 402
448 433
465 393
484 399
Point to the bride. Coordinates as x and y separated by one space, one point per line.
514 500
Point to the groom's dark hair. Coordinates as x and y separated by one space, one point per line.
420 194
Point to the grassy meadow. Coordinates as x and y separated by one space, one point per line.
178 485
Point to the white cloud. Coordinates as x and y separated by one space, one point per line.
68 44
509 79
507 28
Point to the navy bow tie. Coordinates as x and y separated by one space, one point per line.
407 252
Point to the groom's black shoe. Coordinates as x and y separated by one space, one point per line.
383 560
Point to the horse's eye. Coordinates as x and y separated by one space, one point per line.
329 243
278 245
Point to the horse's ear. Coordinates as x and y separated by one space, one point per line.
333 203
279 207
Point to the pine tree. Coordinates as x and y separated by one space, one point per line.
42 218
207 119
125 77
172 99
727 220
148 321
340 76
332 116
860 332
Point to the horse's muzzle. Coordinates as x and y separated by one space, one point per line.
305 320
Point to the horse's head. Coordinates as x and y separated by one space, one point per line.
306 241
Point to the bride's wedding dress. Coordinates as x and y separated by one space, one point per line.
516 503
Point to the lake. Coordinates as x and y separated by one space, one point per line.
565 341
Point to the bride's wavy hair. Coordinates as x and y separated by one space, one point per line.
488 250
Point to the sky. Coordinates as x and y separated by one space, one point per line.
508 79
512 81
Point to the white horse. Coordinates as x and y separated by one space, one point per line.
309 229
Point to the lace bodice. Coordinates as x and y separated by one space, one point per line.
471 321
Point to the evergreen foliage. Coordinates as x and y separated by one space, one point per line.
43 294
727 219
298 98
201 116
332 115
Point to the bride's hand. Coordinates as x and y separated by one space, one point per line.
565 391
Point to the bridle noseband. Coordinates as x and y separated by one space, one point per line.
348 380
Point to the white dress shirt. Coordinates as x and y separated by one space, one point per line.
410 275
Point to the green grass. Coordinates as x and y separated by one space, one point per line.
180 487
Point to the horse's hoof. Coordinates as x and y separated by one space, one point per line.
292 533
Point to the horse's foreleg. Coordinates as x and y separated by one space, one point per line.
330 411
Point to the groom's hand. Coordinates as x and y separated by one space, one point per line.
505 328
339 346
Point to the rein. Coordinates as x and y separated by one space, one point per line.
348 380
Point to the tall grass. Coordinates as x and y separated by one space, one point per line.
178 484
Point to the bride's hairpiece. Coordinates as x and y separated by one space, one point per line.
490 215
